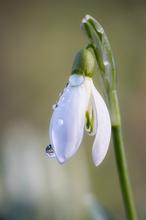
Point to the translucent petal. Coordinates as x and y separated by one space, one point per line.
91 120
102 138
67 122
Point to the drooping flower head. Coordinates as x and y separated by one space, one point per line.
80 106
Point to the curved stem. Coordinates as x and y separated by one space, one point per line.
119 149
105 60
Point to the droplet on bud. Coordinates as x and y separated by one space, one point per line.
50 151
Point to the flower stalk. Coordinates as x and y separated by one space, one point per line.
106 64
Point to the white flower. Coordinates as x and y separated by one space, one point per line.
80 106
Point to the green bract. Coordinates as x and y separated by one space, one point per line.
83 63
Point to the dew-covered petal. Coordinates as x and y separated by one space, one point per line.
102 138
67 122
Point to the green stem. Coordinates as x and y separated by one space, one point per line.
123 172
105 60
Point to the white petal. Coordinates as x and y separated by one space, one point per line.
67 122
102 139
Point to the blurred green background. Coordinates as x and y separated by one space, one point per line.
38 42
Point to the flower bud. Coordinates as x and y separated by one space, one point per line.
83 63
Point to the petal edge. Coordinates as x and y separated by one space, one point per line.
102 138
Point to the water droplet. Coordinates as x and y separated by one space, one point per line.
106 63
107 66
55 106
60 121
76 80
66 89
67 84
101 30
50 151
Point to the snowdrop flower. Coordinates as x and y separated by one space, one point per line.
80 106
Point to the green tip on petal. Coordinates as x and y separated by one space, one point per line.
89 122
83 63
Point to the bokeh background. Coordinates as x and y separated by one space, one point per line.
38 42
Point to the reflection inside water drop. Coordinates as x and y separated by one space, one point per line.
50 151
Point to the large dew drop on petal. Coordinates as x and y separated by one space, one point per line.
76 80
50 151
